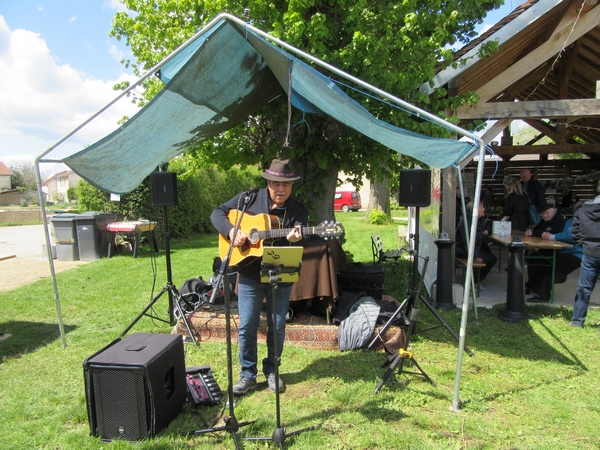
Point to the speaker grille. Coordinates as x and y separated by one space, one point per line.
121 404
415 187
164 189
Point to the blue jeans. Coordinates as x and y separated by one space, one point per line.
588 275
250 299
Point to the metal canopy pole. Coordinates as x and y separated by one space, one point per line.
465 306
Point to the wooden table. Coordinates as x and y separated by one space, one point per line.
134 228
536 244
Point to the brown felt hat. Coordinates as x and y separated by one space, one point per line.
280 170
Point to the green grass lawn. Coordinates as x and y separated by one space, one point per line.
530 385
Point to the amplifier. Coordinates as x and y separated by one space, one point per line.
202 386
136 386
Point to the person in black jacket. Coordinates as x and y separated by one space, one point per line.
551 222
536 192
275 200
482 253
586 230
516 205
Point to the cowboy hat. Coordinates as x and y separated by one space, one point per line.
280 170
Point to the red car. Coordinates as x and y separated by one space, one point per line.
346 201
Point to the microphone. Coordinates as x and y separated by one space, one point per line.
254 190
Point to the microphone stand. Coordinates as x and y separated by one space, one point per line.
272 273
231 423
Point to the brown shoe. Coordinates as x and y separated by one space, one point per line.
574 325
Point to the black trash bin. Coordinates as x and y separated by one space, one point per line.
93 237
66 237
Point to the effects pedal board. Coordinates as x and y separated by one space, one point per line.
202 387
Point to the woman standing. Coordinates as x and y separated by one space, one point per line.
516 204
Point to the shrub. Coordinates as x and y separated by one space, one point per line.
377 217
199 191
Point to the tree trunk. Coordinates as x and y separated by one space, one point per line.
379 197
319 188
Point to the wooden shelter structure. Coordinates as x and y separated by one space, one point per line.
545 73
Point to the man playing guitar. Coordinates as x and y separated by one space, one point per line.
275 200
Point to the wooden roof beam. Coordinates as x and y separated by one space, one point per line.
542 127
545 109
549 49
505 151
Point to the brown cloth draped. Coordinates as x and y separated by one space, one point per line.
321 262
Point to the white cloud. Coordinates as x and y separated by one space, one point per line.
115 52
114 4
72 19
42 101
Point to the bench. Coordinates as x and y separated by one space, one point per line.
381 255
402 235
462 262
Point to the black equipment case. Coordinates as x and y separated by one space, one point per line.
359 277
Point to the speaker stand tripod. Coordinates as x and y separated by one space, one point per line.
273 273
397 361
168 288
231 423
416 257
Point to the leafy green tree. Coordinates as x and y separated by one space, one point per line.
71 194
23 176
395 46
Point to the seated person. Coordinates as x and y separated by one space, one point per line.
551 222
482 253
567 260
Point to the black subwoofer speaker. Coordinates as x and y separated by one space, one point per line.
136 386
415 187
164 189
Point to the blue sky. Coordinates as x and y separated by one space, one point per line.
57 69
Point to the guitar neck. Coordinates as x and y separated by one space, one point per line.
283 232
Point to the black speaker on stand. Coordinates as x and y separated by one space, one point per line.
415 190
164 189
164 193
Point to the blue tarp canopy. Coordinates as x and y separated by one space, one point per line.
220 77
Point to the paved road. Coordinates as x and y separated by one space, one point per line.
21 258
23 241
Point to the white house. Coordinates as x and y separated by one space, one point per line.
55 188
5 174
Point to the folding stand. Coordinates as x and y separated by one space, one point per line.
404 307
443 323
403 354
231 423
170 288
279 264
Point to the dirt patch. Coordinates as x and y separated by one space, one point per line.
21 215
20 271
23 259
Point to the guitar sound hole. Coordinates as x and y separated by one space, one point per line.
253 236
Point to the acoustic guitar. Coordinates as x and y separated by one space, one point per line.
265 227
